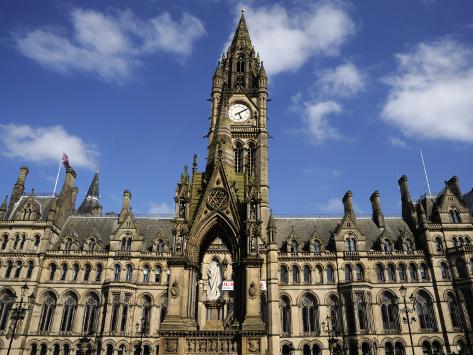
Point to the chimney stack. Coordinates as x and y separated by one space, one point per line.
18 188
348 204
378 216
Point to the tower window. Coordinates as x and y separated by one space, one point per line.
238 157
251 156
454 215
240 65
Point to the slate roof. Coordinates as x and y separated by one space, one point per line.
83 227
44 202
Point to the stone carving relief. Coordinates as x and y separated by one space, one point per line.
214 275
218 199
206 346
171 346
174 290
253 345
252 291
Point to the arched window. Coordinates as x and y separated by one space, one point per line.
129 271
348 273
123 324
330 274
320 274
63 272
413 271
360 275
66 350
4 241
316 350
380 273
388 246
426 349
350 243
424 272
333 312
68 314
454 215
307 275
309 314
389 312
29 272
286 349
444 271
461 242
391 273
56 349
294 246
6 303
438 244
98 272
455 241
123 244
283 275
68 245
160 247
52 271
146 316
365 349
453 310
37 241
110 349
89 323
461 347
471 265
87 271
317 247
8 269
23 240
146 273
295 274
240 64
15 243
306 350
408 245
238 157
75 272
43 350
91 245
157 274
19 266
114 313
388 349
117 271
251 156
399 349
425 311
285 311
34 349
402 272
361 310
47 313
462 270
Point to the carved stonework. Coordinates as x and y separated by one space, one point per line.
218 199
174 290
170 346
252 291
253 345
213 346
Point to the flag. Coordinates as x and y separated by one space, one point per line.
65 161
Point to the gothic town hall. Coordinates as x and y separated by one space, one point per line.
223 276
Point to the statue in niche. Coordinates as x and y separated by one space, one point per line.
214 275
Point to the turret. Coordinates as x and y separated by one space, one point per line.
91 204
125 206
182 195
272 229
218 78
408 212
66 198
262 78
348 205
378 216
18 188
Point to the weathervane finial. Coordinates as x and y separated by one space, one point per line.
242 10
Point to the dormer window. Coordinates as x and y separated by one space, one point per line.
454 215
294 246
388 246
160 247
408 245
350 243
27 212
126 243
68 244
91 245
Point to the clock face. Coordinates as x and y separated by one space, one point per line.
239 112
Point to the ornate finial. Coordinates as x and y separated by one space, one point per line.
242 10
194 163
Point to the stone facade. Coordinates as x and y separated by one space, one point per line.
223 276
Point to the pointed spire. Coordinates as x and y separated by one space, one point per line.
91 204
241 38
3 208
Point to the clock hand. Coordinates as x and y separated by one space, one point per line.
238 113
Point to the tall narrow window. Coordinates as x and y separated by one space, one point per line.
425 311
359 272
29 272
8 269
114 314
23 241
424 272
52 271
157 274
438 244
87 271
399 349
117 271
413 271
454 215
333 311
295 274
128 244
75 272
453 310
392 273
348 273
18 268
238 157
361 309
146 273
90 315
444 271
285 311
4 241
15 243
37 241
63 272
124 317
389 312
380 273
70 306
123 244
402 272
307 276
146 316
330 274
98 272
240 65
283 275
129 271
6 303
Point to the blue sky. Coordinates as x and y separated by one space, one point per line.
122 86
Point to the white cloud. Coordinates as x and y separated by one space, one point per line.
160 208
397 142
333 205
431 94
45 145
344 80
286 40
316 116
111 46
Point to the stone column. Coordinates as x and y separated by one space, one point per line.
273 298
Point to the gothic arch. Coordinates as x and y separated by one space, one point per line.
214 225
304 293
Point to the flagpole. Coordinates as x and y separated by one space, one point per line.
425 172
57 176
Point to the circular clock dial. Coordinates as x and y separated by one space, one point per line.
239 112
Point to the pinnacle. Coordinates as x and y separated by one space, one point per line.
242 36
